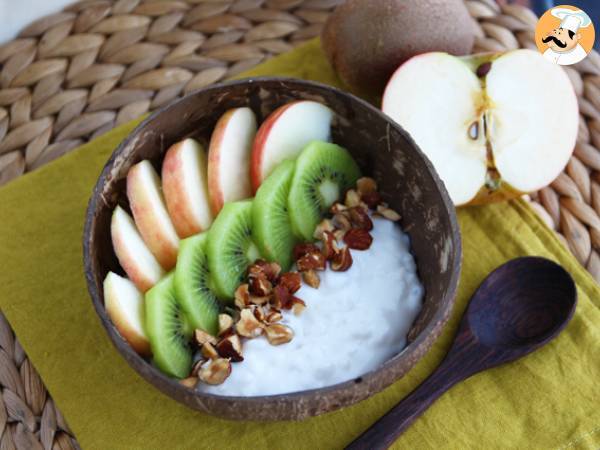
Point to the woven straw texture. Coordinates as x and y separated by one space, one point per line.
74 75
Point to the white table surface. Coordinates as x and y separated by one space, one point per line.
15 14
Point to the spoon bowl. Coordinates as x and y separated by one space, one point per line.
519 307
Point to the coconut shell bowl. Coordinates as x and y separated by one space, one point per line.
406 180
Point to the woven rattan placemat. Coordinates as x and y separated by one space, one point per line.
74 75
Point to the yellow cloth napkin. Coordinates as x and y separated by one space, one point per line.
548 400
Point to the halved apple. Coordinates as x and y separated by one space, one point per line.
285 133
494 126
185 186
134 256
229 158
125 307
150 213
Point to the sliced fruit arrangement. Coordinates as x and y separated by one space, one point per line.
193 284
285 133
185 186
134 256
231 277
150 213
485 140
323 173
229 157
125 307
168 329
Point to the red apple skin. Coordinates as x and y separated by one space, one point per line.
215 192
159 235
259 145
185 222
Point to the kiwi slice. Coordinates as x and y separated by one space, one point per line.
168 330
270 219
193 285
323 172
231 247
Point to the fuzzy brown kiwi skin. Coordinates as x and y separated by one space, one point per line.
365 56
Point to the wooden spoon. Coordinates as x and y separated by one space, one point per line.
519 307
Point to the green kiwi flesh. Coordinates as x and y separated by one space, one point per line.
270 218
193 284
324 171
231 247
168 330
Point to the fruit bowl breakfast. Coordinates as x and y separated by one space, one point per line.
271 249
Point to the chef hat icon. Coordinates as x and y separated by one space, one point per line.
572 19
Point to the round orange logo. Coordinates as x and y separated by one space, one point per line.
565 35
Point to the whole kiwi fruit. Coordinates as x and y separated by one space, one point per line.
365 41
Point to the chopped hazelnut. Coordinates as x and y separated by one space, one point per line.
242 296
231 347
358 239
337 208
303 249
325 225
202 337
342 221
342 260
314 260
208 351
197 366
298 306
248 326
371 199
261 267
329 245
388 213
278 334
291 281
352 198
273 316
311 278
366 185
360 218
259 285
257 300
259 313
215 372
225 323
281 297
189 382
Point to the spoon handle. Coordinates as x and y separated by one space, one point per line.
386 430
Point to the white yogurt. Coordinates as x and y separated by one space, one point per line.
353 323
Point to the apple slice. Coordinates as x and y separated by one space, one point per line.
150 213
285 133
185 186
508 131
134 256
125 307
229 158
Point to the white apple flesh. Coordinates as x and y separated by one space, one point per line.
134 256
509 132
185 187
150 213
125 306
229 158
284 133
